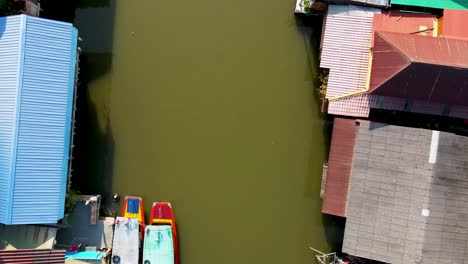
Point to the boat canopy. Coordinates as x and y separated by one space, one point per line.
159 245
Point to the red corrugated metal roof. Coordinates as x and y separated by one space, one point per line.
357 106
454 24
387 61
335 197
438 51
403 22
421 68
32 256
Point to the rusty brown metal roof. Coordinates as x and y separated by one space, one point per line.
335 197
429 50
452 22
420 68
29 256
403 22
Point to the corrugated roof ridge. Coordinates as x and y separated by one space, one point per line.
22 42
356 134
389 41
392 76
340 97
382 35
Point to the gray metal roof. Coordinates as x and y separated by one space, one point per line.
402 208
379 3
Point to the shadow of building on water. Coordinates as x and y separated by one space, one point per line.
93 165
334 231
311 28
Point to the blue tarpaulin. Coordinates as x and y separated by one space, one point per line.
86 255
133 205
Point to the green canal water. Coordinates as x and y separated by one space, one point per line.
210 105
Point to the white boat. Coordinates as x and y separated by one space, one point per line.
125 249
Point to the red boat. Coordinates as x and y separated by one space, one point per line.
133 208
162 214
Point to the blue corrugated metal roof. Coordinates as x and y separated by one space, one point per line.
40 120
9 66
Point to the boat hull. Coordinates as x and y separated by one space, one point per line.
163 215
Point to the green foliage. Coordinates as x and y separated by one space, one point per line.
71 199
323 79
306 4
12 7
5 8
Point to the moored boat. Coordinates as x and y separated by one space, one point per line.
133 208
125 247
161 244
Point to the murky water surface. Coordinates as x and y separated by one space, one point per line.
210 105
